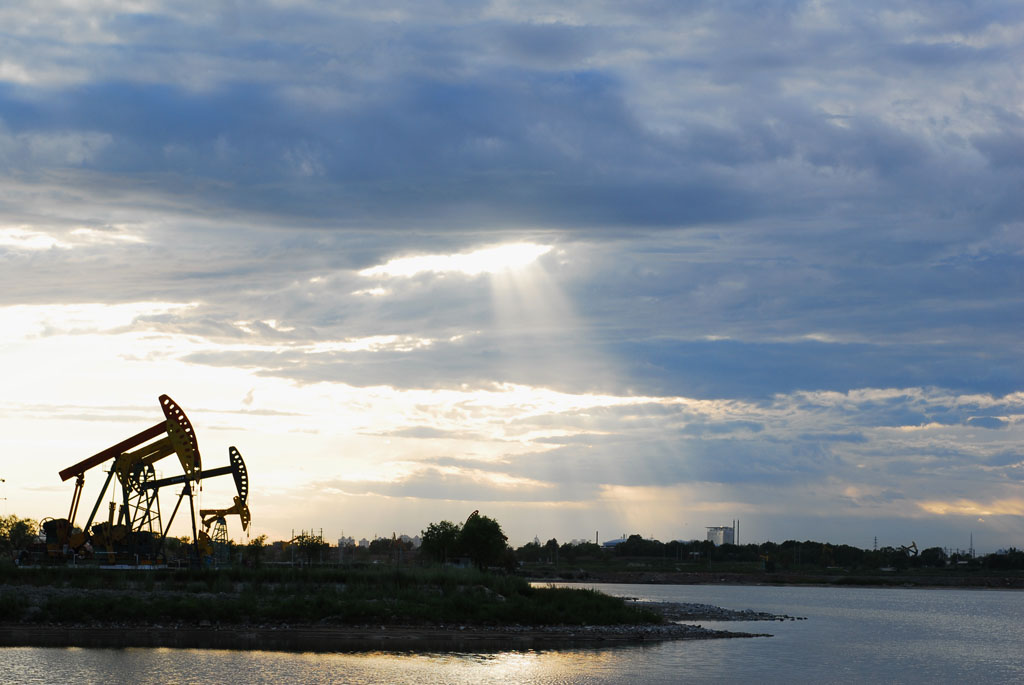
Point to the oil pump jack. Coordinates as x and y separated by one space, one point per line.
137 533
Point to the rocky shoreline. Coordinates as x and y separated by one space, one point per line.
327 636
339 613
352 638
688 611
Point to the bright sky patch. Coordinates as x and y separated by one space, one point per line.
26 239
488 260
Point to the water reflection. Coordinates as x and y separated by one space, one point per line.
144 666
851 635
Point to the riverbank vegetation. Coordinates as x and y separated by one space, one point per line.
481 543
806 556
307 595
789 563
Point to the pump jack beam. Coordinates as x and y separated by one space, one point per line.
184 478
236 468
173 416
114 451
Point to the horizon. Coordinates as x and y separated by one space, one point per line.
580 267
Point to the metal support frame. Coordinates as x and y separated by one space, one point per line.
219 540
133 459
192 511
99 499
163 535
76 498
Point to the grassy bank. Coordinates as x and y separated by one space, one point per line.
287 595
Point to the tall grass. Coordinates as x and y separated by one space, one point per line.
428 596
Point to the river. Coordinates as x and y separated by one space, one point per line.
851 635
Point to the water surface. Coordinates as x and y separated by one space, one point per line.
851 635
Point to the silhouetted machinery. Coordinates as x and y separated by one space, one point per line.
133 531
910 551
216 544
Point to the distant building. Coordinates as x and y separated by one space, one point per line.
611 544
720 535
415 541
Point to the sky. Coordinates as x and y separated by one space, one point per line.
590 268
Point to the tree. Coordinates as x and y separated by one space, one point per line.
16 533
440 541
583 550
1012 558
531 551
254 550
636 546
551 549
933 556
310 546
389 547
482 541
176 547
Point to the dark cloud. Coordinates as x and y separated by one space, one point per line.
987 422
834 437
531 147
722 427
1003 147
741 369
1012 458
528 135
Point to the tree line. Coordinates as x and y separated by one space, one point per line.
790 554
480 541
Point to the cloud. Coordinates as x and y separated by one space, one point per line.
427 432
723 427
776 250
834 437
987 422
560 136
965 507
460 485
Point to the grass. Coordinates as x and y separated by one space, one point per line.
429 596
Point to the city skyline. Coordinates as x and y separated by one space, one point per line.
581 266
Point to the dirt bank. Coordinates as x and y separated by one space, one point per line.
351 638
33 626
